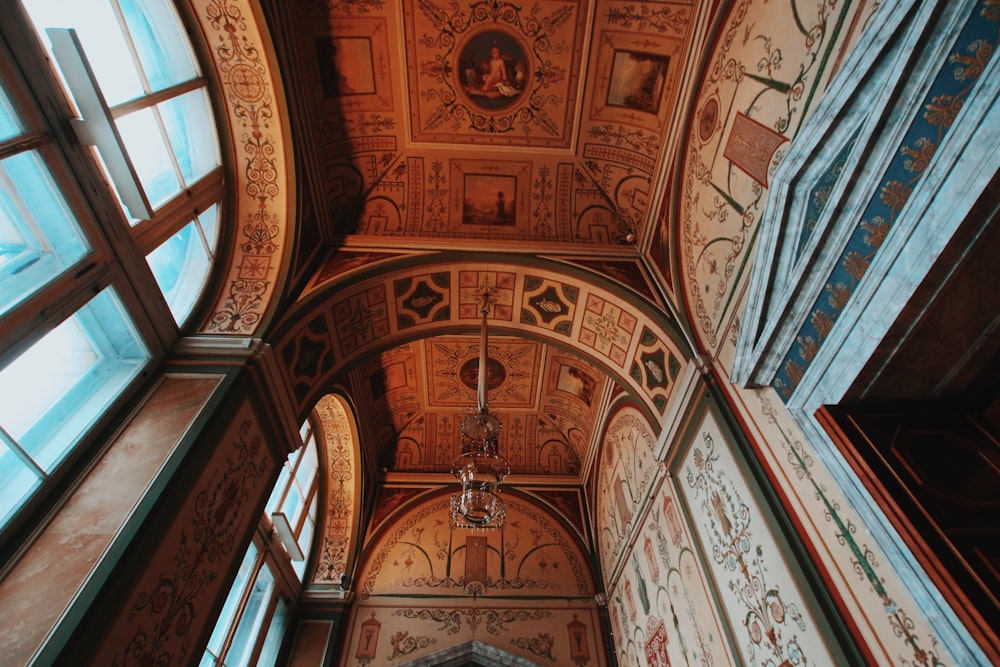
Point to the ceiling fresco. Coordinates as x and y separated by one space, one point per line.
571 158
403 342
452 148
600 169
548 417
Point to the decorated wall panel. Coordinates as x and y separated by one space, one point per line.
879 599
425 586
772 613
626 472
661 609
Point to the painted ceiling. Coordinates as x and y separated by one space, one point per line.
399 160
516 123
526 142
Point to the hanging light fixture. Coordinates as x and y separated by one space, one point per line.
479 467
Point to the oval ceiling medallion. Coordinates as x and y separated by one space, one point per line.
496 373
492 70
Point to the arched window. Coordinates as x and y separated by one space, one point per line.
252 624
110 193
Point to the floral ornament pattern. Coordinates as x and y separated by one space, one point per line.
863 559
769 619
336 537
242 69
165 617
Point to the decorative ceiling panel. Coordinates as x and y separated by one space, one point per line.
413 397
400 99
494 72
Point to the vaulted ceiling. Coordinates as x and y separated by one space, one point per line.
442 149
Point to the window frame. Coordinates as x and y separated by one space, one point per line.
271 553
117 255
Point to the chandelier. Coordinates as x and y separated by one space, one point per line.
479 467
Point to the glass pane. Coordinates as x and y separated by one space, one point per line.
293 458
102 39
278 492
17 483
66 380
163 47
272 642
245 638
191 130
10 125
292 504
307 467
181 266
228 612
305 539
39 237
210 228
150 156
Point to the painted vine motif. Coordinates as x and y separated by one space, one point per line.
336 536
494 621
403 644
540 645
863 562
243 70
626 473
772 79
676 587
669 571
165 617
770 620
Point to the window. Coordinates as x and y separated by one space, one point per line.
252 624
92 222
141 101
64 382
293 502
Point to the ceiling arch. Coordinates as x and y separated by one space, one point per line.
254 132
416 551
364 313
399 335
338 534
